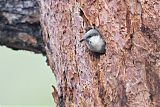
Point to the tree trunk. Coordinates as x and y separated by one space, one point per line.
127 75
20 25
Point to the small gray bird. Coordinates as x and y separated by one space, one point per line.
94 41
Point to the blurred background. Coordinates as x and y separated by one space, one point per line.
25 79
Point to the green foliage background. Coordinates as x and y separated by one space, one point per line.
25 79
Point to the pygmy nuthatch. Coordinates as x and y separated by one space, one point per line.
94 41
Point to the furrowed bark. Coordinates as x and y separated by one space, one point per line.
127 75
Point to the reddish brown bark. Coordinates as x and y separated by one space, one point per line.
127 75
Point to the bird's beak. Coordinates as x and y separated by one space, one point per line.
81 40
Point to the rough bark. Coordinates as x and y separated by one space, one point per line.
20 25
127 75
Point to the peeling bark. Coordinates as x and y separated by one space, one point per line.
127 75
20 25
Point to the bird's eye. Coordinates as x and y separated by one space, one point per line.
90 42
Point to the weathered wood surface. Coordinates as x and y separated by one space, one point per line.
20 25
